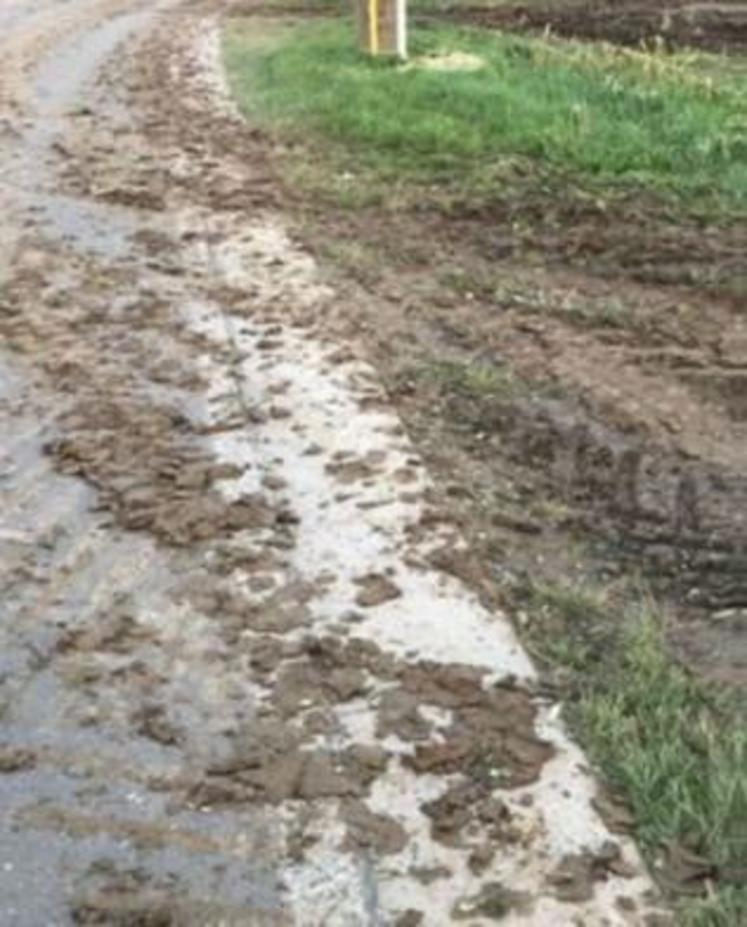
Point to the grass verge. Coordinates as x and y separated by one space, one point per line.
612 119
675 749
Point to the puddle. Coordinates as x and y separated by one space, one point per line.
103 231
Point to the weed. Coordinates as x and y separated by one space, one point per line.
474 380
611 312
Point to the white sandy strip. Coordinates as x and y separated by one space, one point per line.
334 408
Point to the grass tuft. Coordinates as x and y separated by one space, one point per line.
676 750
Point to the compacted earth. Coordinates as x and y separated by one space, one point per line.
253 667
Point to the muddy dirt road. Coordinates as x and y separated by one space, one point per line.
235 688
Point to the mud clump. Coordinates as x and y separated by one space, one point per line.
273 765
460 806
349 470
152 721
399 713
103 910
301 684
152 478
573 878
409 918
459 725
490 737
276 777
16 759
376 589
368 830
277 612
108 896
118 632
494 901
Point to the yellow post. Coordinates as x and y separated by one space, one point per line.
373 26
382 27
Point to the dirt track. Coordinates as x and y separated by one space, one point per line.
239 684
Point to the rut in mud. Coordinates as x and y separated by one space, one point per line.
240 684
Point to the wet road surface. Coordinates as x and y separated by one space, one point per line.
237 685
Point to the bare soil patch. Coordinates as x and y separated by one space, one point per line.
715 26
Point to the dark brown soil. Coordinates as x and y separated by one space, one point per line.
716 26
618 440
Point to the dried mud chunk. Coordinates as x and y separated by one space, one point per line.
203 518
151 721
480 858
351 471
264 739
274 483
117 632
278 779
399 713
366 829
276 616
100 908
375 589
281 611
487 751
347 683
451 812
491 736
494 902
123 898
322 778
427 875
448 686
574 877
265 654
409 918
16 759
613 811
301 685
462 804
365 762
271 766
149 474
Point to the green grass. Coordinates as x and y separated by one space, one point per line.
676 749
607 118
472 380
